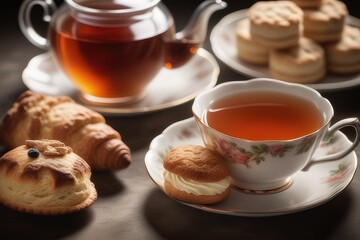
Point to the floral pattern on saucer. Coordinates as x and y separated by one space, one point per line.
333 145
308 189
338 175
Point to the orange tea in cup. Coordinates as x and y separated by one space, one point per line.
264 115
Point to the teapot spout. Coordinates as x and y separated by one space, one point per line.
184 44
196 29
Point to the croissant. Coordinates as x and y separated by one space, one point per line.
35 116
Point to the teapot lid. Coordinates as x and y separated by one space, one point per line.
112 7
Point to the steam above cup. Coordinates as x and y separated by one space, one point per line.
258 162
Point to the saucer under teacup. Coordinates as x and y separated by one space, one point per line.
307 189
169 88
286 184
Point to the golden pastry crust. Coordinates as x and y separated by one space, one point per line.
275 24
343 57
35 116
196 163
248 50
57 181
304 63
326 23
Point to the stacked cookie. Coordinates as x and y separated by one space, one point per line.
299 40
326 24
343 56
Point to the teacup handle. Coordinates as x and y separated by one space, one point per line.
26 26
348 122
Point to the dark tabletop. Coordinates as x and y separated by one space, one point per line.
130 205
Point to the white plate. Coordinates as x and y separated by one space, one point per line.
223 43
169 88
309 189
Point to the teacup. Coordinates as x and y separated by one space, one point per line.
265 160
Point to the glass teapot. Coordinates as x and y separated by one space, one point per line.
112 49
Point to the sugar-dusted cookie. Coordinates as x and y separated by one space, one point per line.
304 63
248 50
326 23
196 174
275 24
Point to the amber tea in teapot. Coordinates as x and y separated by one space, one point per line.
112 50
115 61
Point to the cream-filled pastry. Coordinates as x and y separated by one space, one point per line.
196 187
196 174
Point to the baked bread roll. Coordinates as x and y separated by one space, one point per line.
195 174
248 50
304 63
326 23
35 116
275 24
45 177
343 57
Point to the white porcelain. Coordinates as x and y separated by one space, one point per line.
280 159
308 189
170 87
223 43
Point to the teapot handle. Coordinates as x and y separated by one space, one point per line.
25 23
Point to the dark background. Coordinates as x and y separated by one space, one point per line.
129 204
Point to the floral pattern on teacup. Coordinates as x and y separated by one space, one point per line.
258 152
305 144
